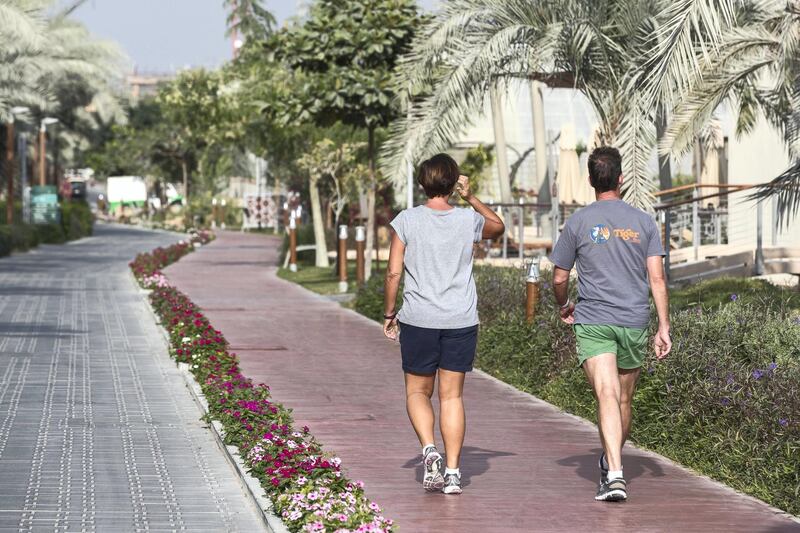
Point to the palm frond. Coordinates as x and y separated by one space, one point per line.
691 32
785 189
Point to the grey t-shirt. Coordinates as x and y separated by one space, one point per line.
610 241
439 290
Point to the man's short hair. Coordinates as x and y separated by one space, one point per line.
605 168
438 175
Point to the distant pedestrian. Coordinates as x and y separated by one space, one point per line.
438 322
618 252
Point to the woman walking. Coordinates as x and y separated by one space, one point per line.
438 322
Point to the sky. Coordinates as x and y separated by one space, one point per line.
161 36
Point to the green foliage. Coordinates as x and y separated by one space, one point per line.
305 236
250 19
17 238
726 402
345 52
51 234
724 291
475 164
369 297
77 220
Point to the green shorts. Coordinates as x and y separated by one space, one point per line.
629 344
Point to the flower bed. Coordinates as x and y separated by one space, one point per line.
306 485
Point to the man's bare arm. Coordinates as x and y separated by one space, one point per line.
658 286
561 292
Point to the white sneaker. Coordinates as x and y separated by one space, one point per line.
452 484
433 480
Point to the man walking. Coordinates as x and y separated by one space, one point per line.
617 249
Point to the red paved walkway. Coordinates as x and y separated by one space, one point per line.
527 466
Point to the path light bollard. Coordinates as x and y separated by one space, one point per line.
292 243
532 290
361 237
343 258
213 213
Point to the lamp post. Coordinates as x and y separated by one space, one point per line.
47 121
10 162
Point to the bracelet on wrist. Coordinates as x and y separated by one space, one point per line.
566 304
390 317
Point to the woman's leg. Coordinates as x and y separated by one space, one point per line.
419 389
452 420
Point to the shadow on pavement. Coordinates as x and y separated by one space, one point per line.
474 462
634 465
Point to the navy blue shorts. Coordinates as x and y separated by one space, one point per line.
425 350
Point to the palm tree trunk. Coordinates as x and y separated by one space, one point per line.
319 225
664 170
185 171
371 237
500 145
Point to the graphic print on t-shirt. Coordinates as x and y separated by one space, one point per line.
600 234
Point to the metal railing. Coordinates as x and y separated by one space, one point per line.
686 224
529 226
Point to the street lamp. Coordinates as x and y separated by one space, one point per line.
17 110
47 121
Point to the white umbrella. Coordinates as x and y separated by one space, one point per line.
573 187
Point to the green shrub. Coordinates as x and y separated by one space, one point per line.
51 233
726 402
76 219
17 238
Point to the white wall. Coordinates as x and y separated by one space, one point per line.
752 159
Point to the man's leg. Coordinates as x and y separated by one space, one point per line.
627 385
601 371
452 420
419 389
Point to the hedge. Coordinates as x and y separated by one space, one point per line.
726 402
76 222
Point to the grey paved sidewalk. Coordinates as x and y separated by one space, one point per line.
97 430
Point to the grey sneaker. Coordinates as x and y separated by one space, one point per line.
433 480
613 490
452 484
603 470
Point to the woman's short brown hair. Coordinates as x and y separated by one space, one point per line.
438 175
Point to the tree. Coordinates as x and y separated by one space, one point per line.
754 70
597 47
249 19
51 64
326 160
343 55
205 120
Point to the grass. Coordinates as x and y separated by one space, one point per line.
323 281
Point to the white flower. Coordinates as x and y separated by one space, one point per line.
186 340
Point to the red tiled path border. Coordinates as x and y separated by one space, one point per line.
527 466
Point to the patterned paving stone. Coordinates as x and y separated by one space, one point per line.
97 430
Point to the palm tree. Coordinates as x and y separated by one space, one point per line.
51 63
755 70
599 48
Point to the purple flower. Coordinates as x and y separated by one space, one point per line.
734 297
757 374
783 422
725 401
650 369
772 366
730 379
